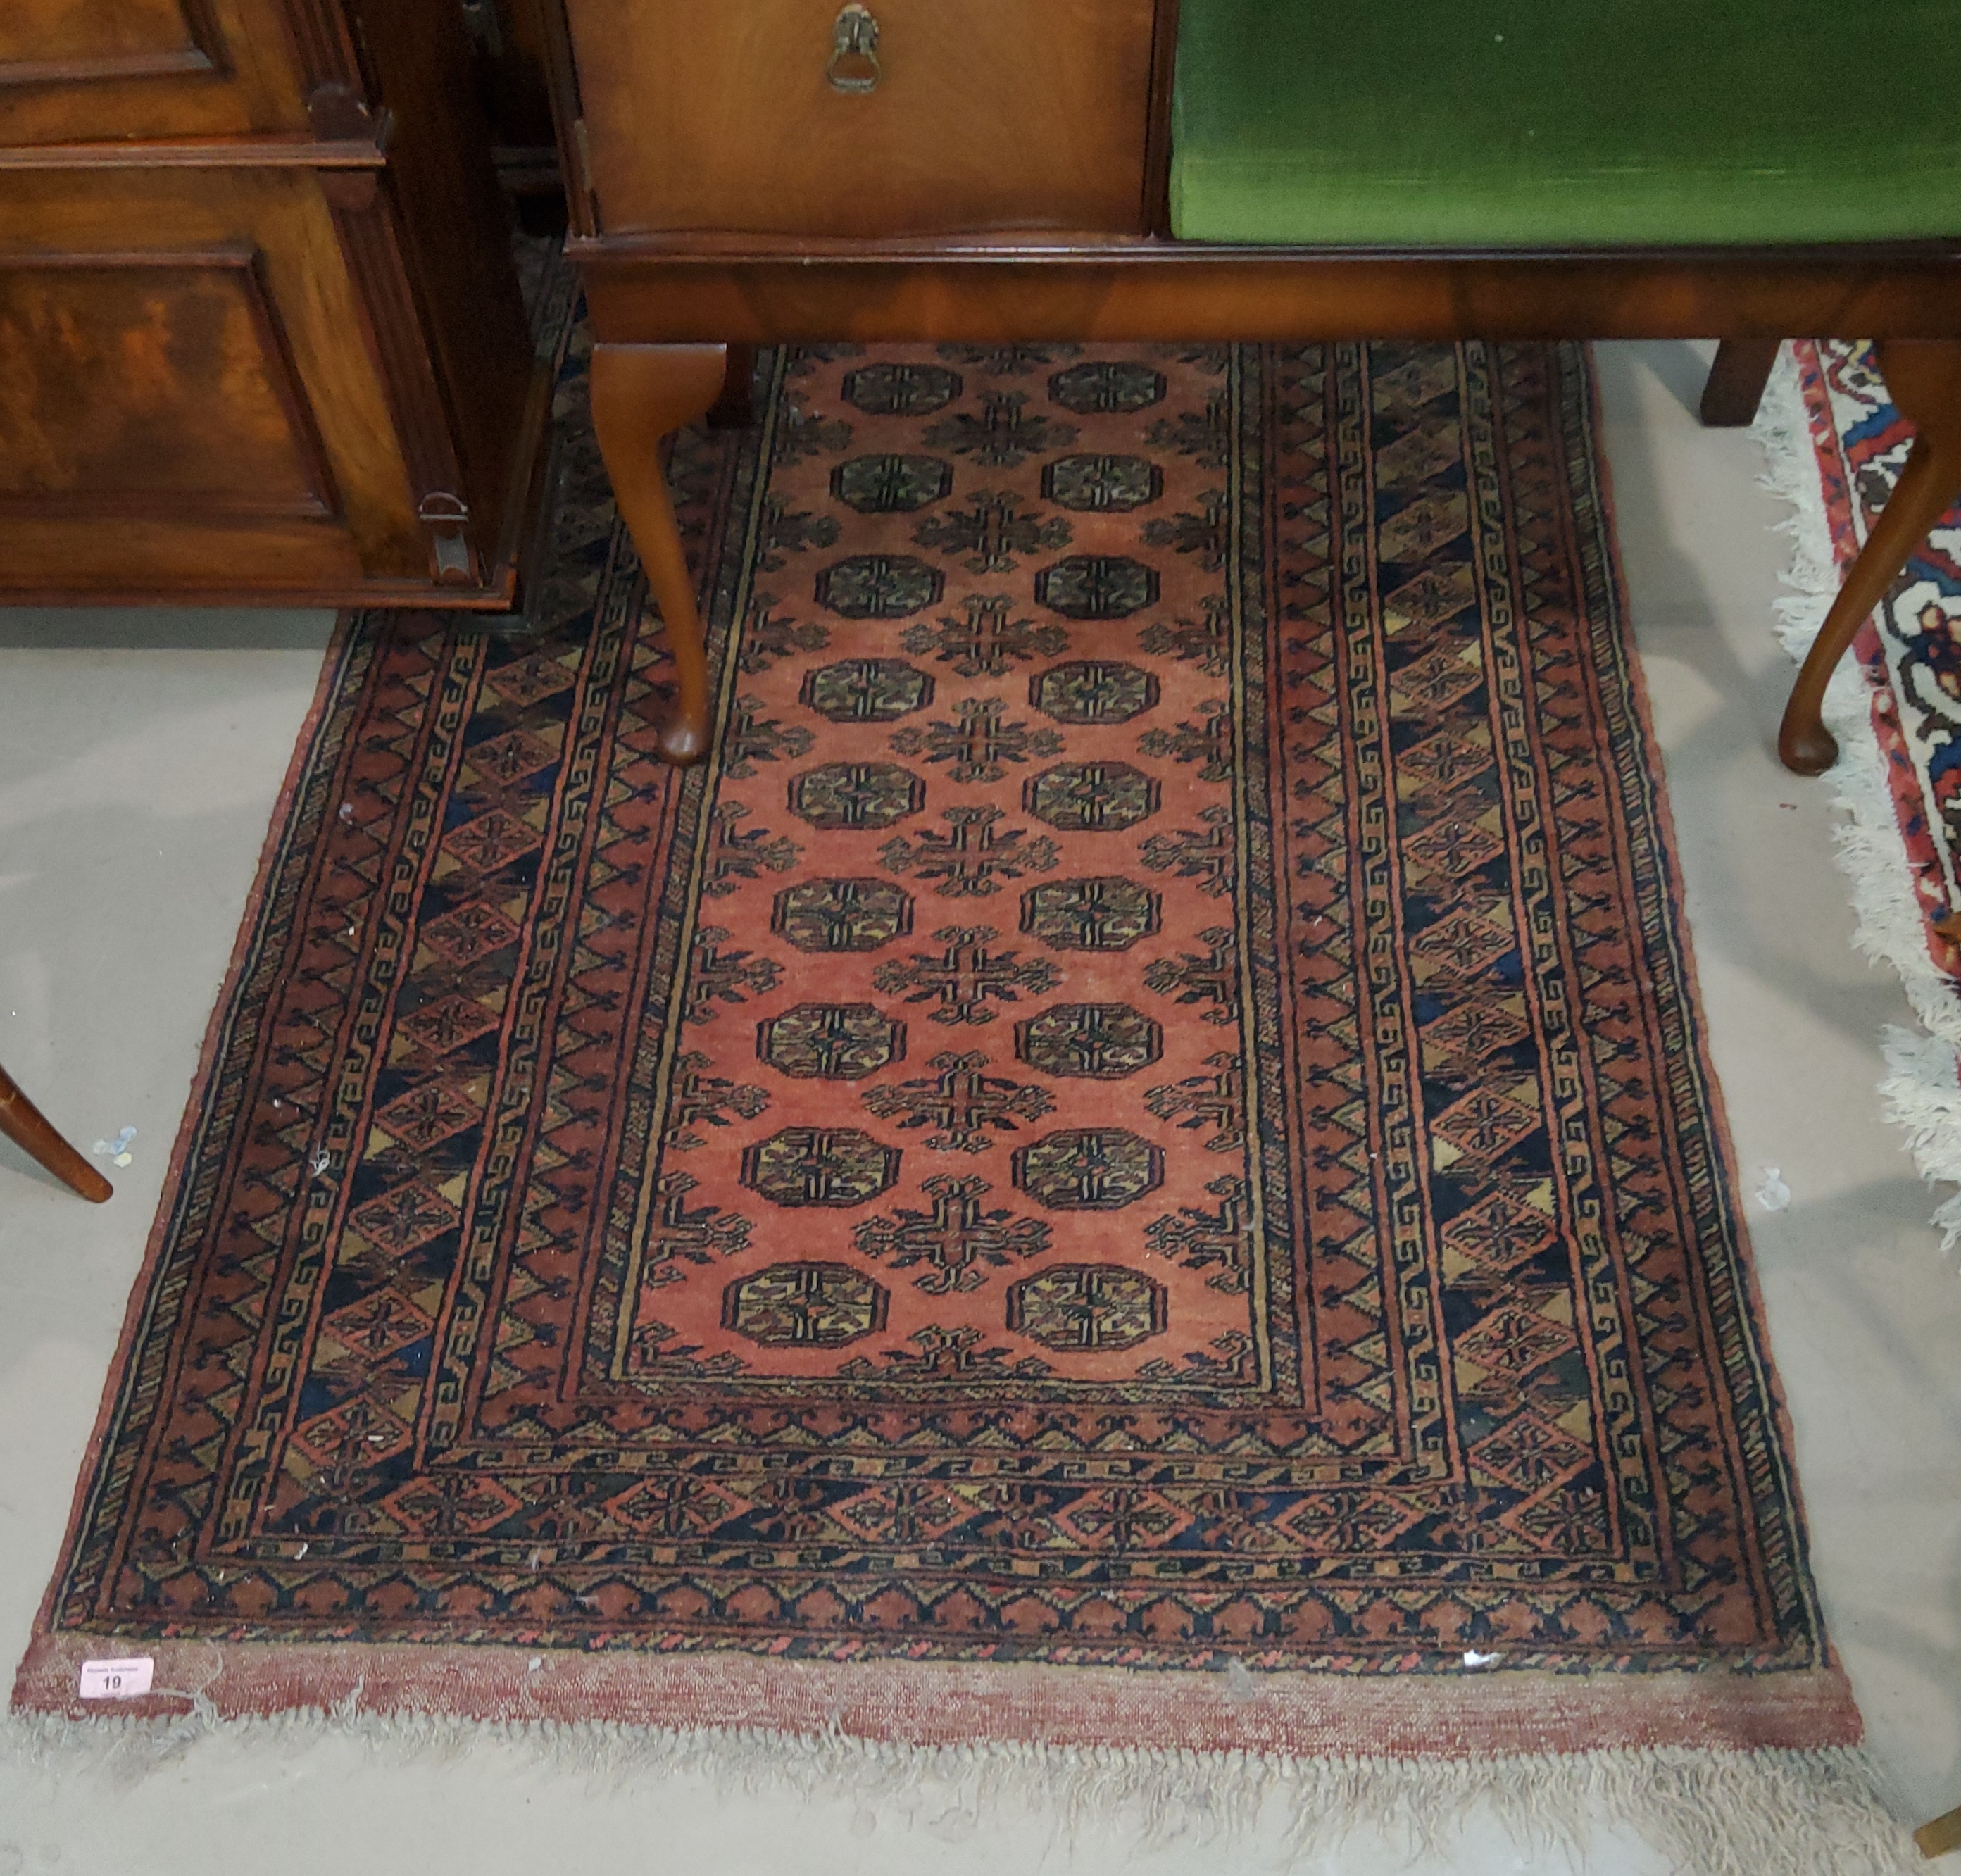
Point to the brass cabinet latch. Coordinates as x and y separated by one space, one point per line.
854 51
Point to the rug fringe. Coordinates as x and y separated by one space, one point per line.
1920 1088
1707 1813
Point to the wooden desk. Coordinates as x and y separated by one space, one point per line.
996 170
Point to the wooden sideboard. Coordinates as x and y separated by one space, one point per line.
261 335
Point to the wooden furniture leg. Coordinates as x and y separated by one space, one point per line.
735 409
1924 378
1736 382
1944 1834
641 395
23 1124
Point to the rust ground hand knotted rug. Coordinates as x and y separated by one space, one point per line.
1129 1164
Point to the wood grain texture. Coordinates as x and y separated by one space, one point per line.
1166 291
30 1130
456 305
988 114
140 388
641 395
1736 382
57 40
261 335
131 223
86 71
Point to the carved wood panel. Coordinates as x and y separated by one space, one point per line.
158 385
47 41
111 72
187 399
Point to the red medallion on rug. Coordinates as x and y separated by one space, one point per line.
1145 1111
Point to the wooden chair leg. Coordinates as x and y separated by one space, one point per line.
1944 1834
1736 382
735 409
1924 378
23 1124
641 395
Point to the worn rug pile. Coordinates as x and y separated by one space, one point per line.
1130 1165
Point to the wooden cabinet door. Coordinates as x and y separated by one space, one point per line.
979 115
89 70
188 404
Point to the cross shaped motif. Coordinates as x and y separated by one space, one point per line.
945 1354
1194 1237
979 746
1218 1100
1237 1361
981 645
992 532
726 977
654 1346
734 856
786 531
965 974
965 859
1207 645
753 738
698 1097
766 637
963 1103
957 1238
1207 535
1213 979
698 1236
1124 1517
453 1504
1205 854
1208 742
1208 438
1001 436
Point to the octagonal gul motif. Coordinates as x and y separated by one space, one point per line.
901 389
1088 1169
842 914
831 1041
1102 484
820 1166
1097 587
1109 914
1105 386
891 485
1088 1309
805 1305
867 689
1092 1041
879 586
1092 797
1093 691
856 794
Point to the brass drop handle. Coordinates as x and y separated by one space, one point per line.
854 51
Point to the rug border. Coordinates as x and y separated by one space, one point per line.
1292 1714
326 687
1722 1139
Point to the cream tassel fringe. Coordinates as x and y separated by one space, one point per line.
1707 1813
1920 1087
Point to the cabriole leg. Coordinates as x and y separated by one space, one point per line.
641 395
1736 382
23 1124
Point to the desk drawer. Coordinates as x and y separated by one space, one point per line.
986 114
